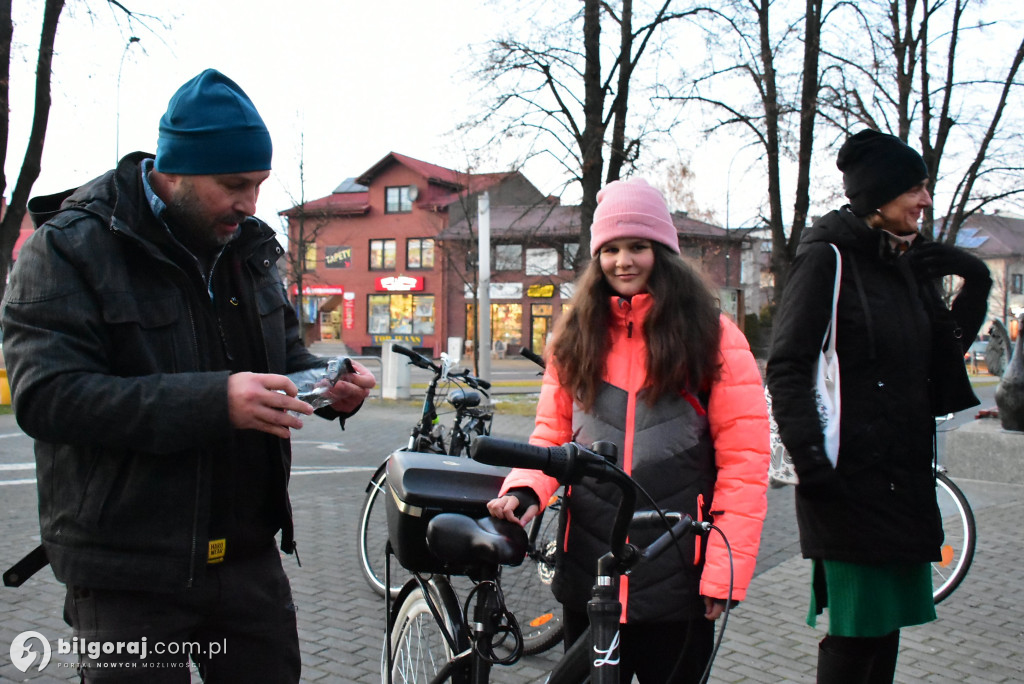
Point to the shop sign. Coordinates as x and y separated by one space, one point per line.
415 340
498 291
400 284
540 291
349 311
338 257
318 290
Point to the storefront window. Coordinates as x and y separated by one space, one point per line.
506 324
401 314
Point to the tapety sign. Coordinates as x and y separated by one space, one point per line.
338 257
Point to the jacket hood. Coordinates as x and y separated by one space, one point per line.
843 229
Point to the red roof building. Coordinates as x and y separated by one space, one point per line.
391 254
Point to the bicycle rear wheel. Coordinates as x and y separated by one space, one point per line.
373 537
422 644
960 535
527 587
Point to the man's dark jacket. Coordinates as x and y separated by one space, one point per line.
117 374
881 507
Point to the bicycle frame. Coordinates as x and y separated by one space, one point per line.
568 464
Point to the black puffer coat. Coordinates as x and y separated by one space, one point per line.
882 507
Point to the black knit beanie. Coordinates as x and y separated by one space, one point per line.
877 168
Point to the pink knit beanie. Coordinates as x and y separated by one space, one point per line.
632 208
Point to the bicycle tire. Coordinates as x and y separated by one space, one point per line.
960 537
373 537
527 587
418 642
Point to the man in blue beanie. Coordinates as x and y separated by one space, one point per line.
148 338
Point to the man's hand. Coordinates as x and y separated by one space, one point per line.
351 389
256 402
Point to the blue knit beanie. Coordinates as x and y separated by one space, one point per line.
211 126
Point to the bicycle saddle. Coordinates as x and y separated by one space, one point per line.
458 539
463 399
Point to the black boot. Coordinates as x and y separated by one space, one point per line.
883 669
844 660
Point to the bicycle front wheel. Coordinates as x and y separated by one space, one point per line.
960 535
423 645
373 537
527 587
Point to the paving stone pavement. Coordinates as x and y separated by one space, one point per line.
978 638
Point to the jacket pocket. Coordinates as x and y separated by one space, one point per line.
272 306
147 334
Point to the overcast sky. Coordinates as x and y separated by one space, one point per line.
359 79
340 83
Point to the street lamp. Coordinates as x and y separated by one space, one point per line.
117 132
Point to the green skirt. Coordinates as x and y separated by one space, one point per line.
870 600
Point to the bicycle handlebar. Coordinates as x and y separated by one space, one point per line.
526 352
567 464
423 362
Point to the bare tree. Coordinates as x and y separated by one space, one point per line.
767 89
911 80
554 92
10 226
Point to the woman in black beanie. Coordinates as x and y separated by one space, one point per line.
871 524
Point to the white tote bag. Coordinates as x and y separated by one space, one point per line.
826 389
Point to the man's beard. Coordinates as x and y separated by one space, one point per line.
193 226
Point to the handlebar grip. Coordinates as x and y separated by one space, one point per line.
682 528
553 461
417 359
483 383
527 353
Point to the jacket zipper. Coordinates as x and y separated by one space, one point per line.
698 539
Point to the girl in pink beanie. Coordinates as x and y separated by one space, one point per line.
643 358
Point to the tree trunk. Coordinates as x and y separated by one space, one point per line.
808 113
11 224
592 139
770 97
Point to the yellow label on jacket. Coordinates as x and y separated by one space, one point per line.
217 548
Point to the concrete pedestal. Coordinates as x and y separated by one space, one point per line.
983 450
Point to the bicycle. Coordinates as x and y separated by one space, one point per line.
432 638
959 530
529 584
427 436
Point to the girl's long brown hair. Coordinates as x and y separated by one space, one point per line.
682 331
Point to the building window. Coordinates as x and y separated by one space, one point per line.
401 314
1017 283
506 324
309 260
508 257
397 200
542 261
570 250
382 255
419 253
